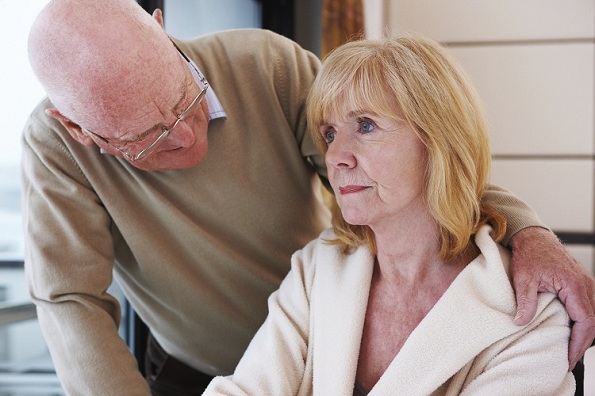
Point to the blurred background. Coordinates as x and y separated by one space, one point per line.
532 61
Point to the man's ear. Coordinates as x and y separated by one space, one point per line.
73 128
158 15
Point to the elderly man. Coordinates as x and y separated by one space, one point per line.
187 171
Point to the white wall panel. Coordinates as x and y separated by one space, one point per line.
494 20
560 191
540 99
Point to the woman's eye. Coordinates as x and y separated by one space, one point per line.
328 135
366 126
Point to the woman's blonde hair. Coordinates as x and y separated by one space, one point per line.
418 77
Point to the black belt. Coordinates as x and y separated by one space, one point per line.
167 376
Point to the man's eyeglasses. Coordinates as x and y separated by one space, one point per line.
200 80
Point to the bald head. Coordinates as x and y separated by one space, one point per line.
96 57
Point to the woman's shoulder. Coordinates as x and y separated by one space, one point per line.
492 269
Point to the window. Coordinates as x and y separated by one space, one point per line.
25 365
186 19
20 93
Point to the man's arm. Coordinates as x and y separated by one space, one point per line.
68 263
540 263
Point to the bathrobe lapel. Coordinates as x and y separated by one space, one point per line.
338 311
460 325
475 312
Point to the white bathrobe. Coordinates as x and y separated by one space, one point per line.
467 344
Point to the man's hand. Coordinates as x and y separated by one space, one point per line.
540 263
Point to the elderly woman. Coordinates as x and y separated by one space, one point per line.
409 292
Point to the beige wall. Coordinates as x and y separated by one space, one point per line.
533 63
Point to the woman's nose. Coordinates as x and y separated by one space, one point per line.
340 153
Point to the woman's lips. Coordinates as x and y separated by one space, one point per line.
351 189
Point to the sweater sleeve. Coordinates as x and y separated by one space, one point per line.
518 215
68 262
276 361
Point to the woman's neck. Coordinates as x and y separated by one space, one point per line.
409 249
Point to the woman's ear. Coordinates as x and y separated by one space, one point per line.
158 15
73 128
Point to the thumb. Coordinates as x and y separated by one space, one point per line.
526 302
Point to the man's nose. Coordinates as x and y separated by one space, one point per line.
182 135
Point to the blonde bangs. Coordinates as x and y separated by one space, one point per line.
350 78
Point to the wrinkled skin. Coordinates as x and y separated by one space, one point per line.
540 264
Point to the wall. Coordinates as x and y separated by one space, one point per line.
533 63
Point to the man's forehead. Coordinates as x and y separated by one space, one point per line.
127 110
